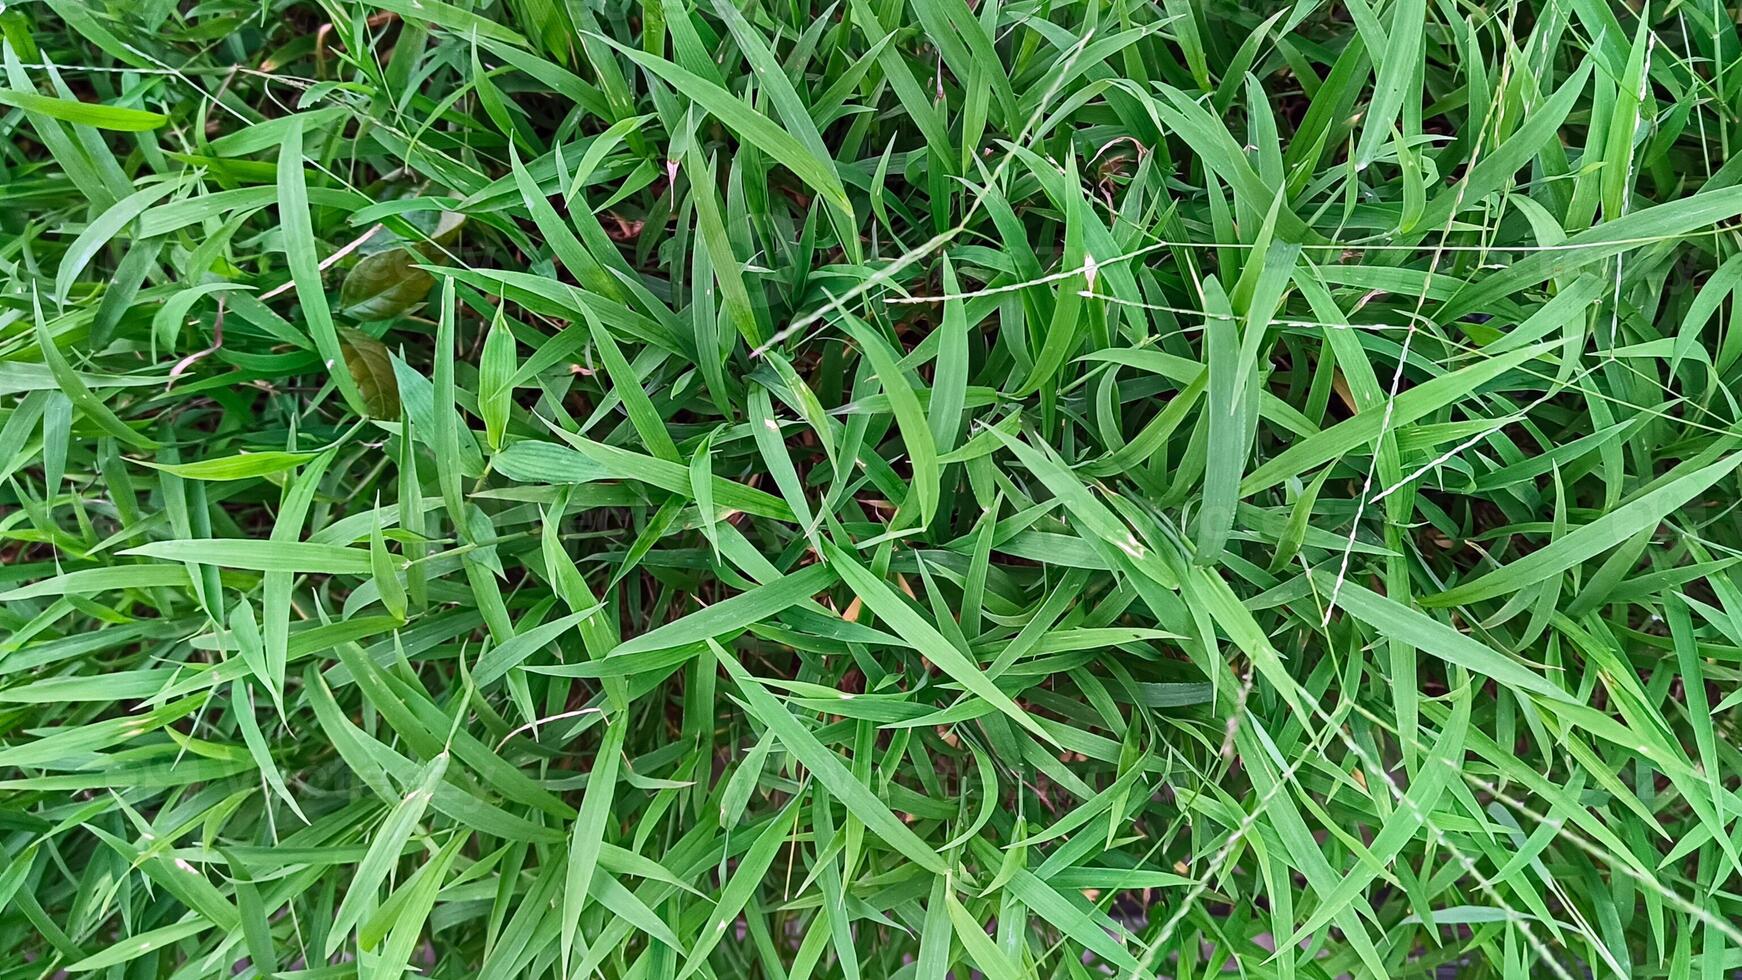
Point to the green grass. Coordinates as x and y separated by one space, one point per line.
879 488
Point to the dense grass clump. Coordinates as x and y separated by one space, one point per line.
872 488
